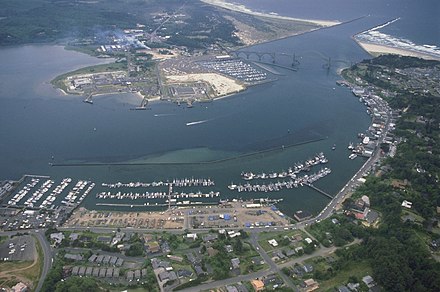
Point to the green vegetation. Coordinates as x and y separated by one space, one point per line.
27 21
339 234
77 284
397 251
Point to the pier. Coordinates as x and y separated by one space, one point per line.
319 191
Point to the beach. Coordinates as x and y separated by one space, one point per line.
376 50
243 9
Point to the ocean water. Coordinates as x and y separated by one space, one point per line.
303 108
419 21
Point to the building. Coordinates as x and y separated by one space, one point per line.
74 257
369 281
258 285
210 237
273 242
235 262
311 285
19 287
153 247
57 237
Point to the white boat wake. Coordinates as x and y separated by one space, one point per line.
196 122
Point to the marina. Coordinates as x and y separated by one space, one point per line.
184 182
280 185
291 171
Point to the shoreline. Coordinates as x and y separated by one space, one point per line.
379 49
243 9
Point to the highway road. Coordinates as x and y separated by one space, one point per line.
47 256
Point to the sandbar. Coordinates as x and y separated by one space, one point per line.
221 85
244 9
376 49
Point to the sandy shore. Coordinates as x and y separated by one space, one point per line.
222 85
375 50
243 9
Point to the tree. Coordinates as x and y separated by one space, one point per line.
136 249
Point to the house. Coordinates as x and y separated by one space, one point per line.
273 242
119 262
299 249
407 204
74 236
109 273
116 273
229 248
371 218
75 271
184 273
153 247
258 285
118 237
95 272
156 263
57 237
310 285
435 244
74 257
165 247
308 268
353 286
231 289
210 237
199 270
137 275
175 258
113 260
104 239
130 276
99 259
102 272
148 237
308 240
289 252
343 289
167 276
19 287
192 236
335 221
92 258
369 281
235 262
257 261
82 271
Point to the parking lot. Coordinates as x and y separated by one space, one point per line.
19 248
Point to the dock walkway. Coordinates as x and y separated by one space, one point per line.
319 191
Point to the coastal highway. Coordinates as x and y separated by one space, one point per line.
47 254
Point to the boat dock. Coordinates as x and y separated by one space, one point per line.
319 191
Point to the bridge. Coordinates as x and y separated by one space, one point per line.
273 57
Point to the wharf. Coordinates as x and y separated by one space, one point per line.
319 191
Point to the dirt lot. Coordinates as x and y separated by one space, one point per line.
236 214
167 220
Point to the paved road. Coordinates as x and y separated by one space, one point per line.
47 257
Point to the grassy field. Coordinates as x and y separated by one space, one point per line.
356 269
265 236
